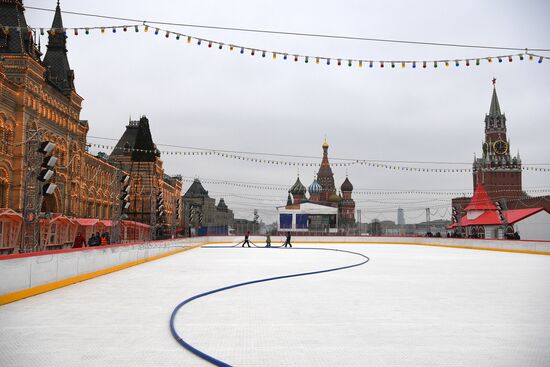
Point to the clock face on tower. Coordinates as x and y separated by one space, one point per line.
500 147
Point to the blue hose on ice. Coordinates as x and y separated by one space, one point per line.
217 362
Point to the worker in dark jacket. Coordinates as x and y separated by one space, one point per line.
92 241
95 240
287 241
246 241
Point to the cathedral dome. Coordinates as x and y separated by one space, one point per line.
334 198
298 188
315 187
346 186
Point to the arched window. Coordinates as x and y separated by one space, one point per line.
8 138
4 188
62 156
3 145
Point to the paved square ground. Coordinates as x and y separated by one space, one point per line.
408 306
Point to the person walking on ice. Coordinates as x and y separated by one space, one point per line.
287 241
267 239
246 241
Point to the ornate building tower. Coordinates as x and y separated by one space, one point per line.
347 204
40 104
40 101
497 169
58 71
136 153
16 42
325 177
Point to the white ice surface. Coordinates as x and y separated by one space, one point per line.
408 306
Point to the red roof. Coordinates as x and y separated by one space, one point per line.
131 223
491 217
513 216
480 200
85 222
56 217
11 214
61 218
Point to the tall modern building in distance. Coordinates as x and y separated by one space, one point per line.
400 217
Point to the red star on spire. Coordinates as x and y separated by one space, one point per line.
494 80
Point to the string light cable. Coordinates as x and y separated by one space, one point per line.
257 157
387 194
285 55
206 150
288 33
392 207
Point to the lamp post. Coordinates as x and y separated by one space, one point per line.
176 216
67 189
40 163
121 203
428 221
502 218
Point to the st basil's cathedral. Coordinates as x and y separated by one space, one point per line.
324 210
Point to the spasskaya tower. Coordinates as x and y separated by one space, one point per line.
497 169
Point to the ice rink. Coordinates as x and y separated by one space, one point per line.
407 306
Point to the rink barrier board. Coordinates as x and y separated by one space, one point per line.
31 291
371 240
439 245
415 244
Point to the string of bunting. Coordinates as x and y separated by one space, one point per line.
273 54
357 162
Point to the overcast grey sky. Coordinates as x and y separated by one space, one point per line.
205 97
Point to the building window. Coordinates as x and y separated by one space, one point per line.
285 221
53 230
8 134
3 194
301 221
4 145
62 157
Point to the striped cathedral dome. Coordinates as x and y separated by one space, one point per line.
298 188
315 187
